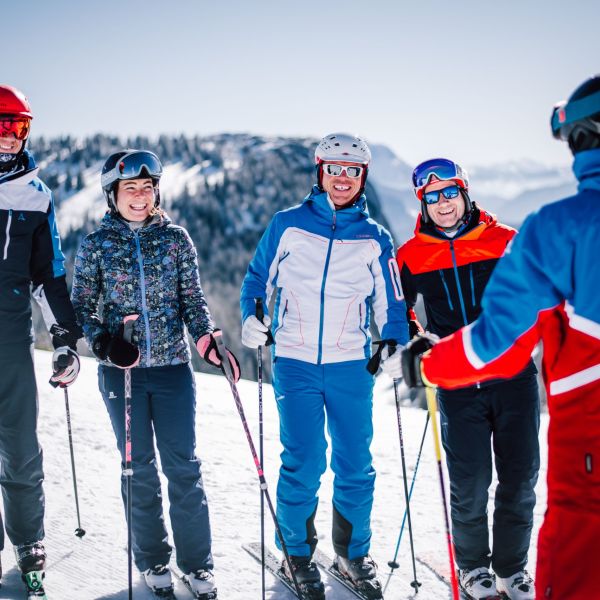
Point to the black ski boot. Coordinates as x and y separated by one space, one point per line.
361 573
31 559
307 575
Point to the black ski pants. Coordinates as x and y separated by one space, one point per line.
21 471
502 418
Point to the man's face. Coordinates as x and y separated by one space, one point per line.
10 145
446 212
342 189
135 198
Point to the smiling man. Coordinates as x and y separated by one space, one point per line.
329 264
449 261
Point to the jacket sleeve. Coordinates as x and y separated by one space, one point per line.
531 280
87 289
262 271
410 296
194 308
388 303
49 281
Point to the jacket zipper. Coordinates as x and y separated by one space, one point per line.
447 290
472 284
322 309
144 303
285 309
458 288
7 234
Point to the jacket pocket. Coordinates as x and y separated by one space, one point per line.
289 333
352 333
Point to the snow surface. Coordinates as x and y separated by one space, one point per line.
95 567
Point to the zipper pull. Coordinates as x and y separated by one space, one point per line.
334 219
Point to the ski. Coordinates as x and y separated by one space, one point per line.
273 565
34 583
441 575
370 590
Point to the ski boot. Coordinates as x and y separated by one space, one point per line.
519 586
307 575
361 573
158 579
202 584
477 584
31 559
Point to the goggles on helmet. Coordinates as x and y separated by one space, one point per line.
131 166
443 169
19 127
336 170
566 116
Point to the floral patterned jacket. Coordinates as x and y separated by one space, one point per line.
152 272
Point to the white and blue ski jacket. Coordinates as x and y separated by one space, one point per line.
329 269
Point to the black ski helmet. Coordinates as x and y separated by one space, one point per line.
129 164
577 120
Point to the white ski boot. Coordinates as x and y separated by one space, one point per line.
159 580
478 583
519 586
202 584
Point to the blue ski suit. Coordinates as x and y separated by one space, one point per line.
328 269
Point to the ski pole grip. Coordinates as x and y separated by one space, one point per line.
260 315
128 322
222 352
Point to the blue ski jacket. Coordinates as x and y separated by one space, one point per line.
327 268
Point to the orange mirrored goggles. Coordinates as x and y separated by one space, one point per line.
17 127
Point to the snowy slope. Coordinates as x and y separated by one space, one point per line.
95 567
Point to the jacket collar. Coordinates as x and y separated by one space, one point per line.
25 172
586 166
323 206
116 223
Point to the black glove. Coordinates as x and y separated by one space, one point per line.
65 336
414 328
116 350
411 358
207 348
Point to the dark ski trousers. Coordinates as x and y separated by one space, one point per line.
163 405
502 416
21 471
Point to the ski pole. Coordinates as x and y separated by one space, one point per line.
260 315
261 476
79 532
414 583
393 564
432 408
128 322
63 362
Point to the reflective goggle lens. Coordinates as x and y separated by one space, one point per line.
17 127
132 165
440 167
336 170
449 192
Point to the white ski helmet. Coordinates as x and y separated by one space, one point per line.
342 146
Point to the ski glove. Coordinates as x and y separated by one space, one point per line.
65 367
116 351
414 328
207 348
391 361
65 336
411 358
255 333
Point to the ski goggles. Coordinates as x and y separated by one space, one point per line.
132 165
336 170
443 169
452 191
17 127
566 116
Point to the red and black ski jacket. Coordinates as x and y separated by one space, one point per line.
450 273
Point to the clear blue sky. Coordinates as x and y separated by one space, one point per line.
474 80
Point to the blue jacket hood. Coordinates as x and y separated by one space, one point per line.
586 167
321 205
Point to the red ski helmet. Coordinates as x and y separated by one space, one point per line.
13 102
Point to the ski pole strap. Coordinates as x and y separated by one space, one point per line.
260 315
375 360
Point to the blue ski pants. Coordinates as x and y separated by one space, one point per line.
163 407
501 417
21 471
309 396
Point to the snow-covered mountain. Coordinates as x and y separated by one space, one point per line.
95 567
